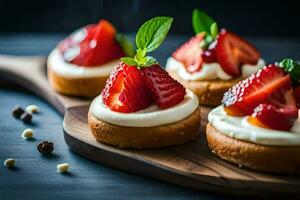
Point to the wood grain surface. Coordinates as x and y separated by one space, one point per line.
190 165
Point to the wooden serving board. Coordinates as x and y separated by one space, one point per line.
189 165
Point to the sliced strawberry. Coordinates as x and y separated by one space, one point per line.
232 51
126 90
209 55
190 53
268 85
166 91
75 39
269 116
92 45
297 95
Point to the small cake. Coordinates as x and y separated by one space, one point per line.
257 126
212 61
81 63
142 106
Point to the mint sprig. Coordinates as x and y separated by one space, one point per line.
148 38
292 67
203 23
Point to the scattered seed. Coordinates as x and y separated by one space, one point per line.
27 133
62 168
32 109
10 162
17 111
45 147
26 118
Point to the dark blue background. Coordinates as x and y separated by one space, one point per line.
255 17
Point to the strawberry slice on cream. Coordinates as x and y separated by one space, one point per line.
92 45
267 97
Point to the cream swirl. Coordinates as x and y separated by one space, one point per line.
152 116
63 68
210 71
240 128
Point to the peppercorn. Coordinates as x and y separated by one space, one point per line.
27 133
26 118
45 147
63 168
17 111
9 163
32 109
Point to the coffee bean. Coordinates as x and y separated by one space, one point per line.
17 111
26 118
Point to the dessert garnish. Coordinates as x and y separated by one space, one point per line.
94 44
139 81
210 45
268 97
63 168
32 109
45 147
10 162
27 133
26 118
17 111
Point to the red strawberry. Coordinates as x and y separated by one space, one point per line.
209 55
166 91
269 116
268 85
126 90
190 53
92 45
297 95
232 51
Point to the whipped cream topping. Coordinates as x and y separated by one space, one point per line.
60 66
209 71
150 117
240 128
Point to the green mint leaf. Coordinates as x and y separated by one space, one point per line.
150 61
204 44
140 57
291 67
140 53
214 30
129 61
201 21
126 44
153 32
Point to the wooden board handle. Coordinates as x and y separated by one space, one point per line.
30 73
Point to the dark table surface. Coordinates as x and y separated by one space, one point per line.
35 176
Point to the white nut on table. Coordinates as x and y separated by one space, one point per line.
32 109
62 168
27 133
10 162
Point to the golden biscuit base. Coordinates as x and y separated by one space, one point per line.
146 137
209 92
79 87
275 159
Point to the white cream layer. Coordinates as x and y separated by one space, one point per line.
152 116
240 128
209 71
60 66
